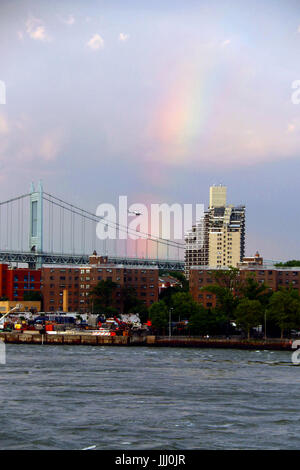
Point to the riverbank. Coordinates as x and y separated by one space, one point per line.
151 341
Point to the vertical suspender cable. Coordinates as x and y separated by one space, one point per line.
22 224
49 225
19 224
72 231
82 229
11 231
52 240
62 230
60 217
94 236
6 226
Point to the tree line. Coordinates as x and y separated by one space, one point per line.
242 304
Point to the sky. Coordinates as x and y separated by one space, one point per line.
157 101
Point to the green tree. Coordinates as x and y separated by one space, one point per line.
158 314
253 290
183 306
203 321
32 295
167 294
227 286
226 300
129 299
102 296
289 264
248 314
284 309
228 278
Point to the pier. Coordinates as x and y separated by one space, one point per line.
151 341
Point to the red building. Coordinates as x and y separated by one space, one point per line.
14 282
271 276
80 280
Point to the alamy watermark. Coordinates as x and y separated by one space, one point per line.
159 220
2 353
296 354
2 92
295 98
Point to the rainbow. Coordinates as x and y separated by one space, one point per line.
184 110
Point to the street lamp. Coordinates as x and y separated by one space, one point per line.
265 325
170 312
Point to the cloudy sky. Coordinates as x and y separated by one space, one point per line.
156 100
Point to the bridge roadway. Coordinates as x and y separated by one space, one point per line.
38 259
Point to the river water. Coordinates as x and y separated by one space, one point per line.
72 397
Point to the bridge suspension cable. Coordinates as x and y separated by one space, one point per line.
14 199
12 223
68 227
89 215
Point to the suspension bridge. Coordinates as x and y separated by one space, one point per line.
38 228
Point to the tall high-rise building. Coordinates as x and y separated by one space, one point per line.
218 239
196 245
217 196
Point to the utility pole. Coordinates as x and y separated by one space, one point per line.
170 312
265 325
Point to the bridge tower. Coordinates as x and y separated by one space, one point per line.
36 219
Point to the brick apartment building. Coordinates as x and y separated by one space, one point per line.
274 278
55 279
15 282
80 280
218 237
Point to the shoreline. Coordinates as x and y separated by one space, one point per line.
149 341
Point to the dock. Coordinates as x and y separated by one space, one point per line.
151 341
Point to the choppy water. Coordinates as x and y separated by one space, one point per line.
71 397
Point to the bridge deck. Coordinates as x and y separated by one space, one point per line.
76 259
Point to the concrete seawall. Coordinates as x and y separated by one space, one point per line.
30 338
270 344
151 341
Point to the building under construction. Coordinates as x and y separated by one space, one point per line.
218 238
